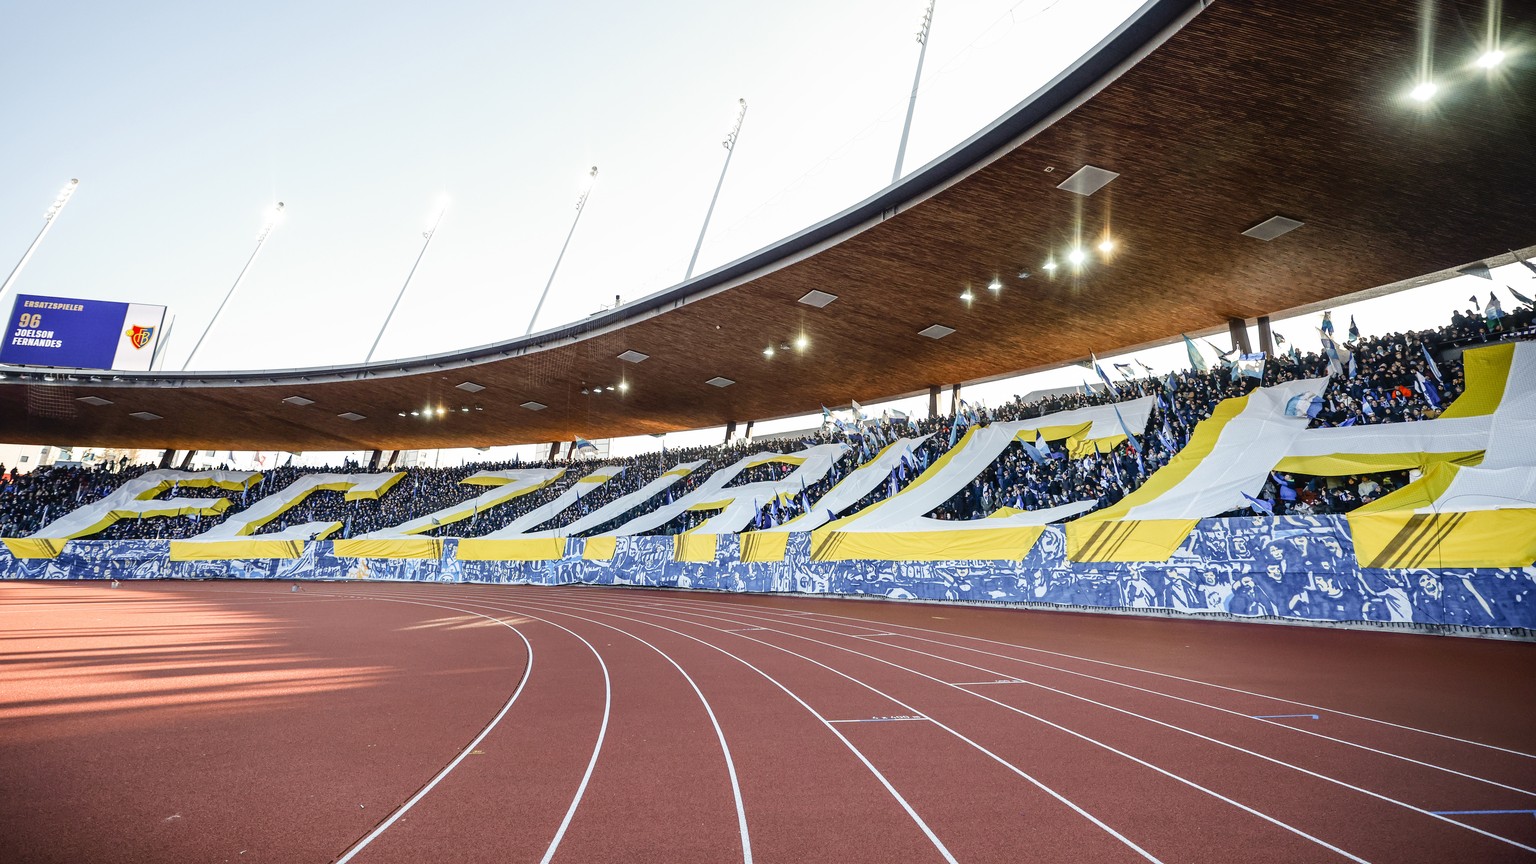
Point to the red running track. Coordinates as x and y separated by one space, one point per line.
375 722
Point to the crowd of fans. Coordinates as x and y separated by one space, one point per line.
1388 379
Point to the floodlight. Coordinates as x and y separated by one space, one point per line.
1423 92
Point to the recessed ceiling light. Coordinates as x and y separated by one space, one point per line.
936 331
352 415
717 381
819 299
470 387
1049 266
1423 92
299 401
145 415
967 296
801 342
1106 245
995 285
441 411
402 413
768 352
1077 255
633 356
1273 227
534 406
1491 59
93 400
1087 180
623 386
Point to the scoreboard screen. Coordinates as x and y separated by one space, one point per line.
81 334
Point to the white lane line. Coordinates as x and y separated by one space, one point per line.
1267 719
878 719
730 765
1171 726
422 792
918 820
1134 669
996 758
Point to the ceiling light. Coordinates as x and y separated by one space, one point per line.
967 296
801 342
531 406
299 401
470 387
1087 180
995 285
402 413
1077 256
634 357
463 410
819 299
93 400
768 352
936 331
1106 245
1049 266
1491 59
1423 92
717 381
441 411
1273 227
351 415
623 386
145 415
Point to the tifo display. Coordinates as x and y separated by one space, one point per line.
1207 491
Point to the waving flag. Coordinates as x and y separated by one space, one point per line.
1431 395
858 413
1327 325
1100 370
1252 365
1434 368
1521 297
1493 311
1196 361
1126 370
1259 505
585 446
1354 331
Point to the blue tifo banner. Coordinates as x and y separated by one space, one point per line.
1297 567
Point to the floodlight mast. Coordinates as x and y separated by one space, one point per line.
730 147
273 217
428 234
581 203
53 211
922 39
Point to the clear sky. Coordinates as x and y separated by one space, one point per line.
184 121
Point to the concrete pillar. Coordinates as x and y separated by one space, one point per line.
166 457
554 450
730 429
1266 340
394 456
748 432
933 401
373 464
1239 330
186 461
954 398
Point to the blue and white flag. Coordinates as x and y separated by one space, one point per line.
1126 370
1251 365
1493 311
1354 330
585 446
1434 368
1431 395
1260 505
858 413
1196 361
1520 297
1327 325
1100 370
1171 384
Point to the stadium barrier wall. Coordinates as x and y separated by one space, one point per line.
1294 567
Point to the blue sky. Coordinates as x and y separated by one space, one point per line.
185 121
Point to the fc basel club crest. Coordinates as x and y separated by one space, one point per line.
138 336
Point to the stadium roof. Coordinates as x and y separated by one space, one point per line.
1213 120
